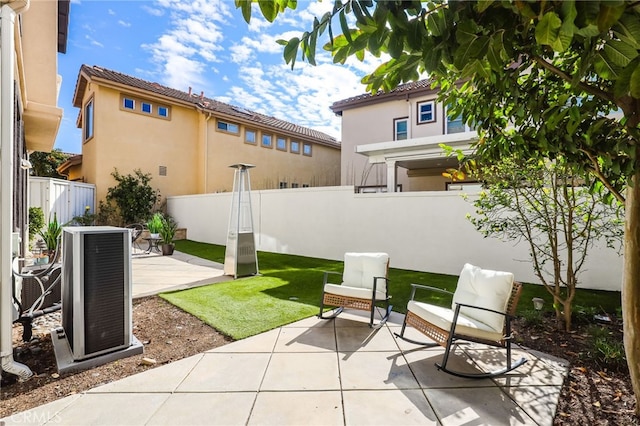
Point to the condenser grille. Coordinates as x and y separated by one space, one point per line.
104 292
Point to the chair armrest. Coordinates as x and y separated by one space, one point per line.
414 287
375 285
326 276
459 305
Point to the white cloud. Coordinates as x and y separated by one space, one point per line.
111 12
124 23
153 11
93 41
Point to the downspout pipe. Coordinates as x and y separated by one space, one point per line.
8 14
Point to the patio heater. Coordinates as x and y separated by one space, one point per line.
240 257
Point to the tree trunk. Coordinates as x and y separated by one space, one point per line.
631 285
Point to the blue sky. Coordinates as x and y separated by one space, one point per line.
206 45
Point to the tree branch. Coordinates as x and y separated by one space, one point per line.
598 173
566 77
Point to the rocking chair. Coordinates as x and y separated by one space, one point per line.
483 304
364 283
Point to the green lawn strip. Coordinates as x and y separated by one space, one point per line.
289 289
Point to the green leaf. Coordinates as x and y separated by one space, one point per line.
604 67
628 30
395 45
245 6
634 84
494 54
436 24
483 5
619 53
344 26
268 9
291 50
548 29
609 14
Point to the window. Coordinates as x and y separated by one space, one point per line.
294 185
128 103
267 141
146 107
306 149
426 112
250 136
163 111
295 147
88 120
228 127
283 185
400 129
281 144
455 125
305 185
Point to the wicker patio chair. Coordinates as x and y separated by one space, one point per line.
364 284
483 304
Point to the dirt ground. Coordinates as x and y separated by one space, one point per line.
591 395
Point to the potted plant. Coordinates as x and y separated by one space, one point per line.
51 236
154 225
167 234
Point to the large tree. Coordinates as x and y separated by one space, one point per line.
553 70
46 163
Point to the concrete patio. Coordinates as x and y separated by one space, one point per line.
310 372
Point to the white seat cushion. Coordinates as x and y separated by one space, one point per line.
443 318
361 268
486 289
357 292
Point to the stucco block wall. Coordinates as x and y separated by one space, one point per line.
422 231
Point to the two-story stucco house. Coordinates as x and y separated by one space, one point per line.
187 141
391 141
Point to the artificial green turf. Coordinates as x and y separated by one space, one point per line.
289 288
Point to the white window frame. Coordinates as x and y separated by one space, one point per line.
395 128
419 106
133 104
163 108
255 136
88 120
227 127
143 104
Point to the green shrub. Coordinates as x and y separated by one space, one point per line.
36 221
133 196
51 233
86 219
605 349
108 215
532 318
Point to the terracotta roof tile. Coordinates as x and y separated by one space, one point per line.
208 104
366 98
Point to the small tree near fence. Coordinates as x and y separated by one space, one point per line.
545 204
133 196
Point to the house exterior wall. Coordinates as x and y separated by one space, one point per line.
422 231
190 147
374 123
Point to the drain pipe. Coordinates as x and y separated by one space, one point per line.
8 15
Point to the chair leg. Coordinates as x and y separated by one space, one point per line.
415 342
321 313
384 318
510 366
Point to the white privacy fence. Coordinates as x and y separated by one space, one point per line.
67 199
423 231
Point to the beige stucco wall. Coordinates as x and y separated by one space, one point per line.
36 70
196 155
375 123
127 141
273 166
39 47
